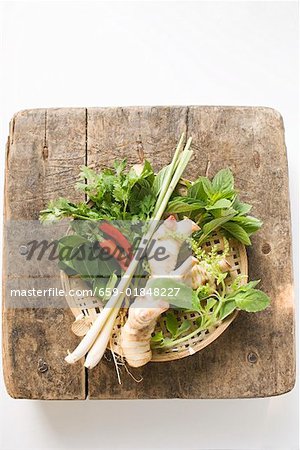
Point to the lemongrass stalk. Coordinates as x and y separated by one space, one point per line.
183 162
97 351
88 340
169 173
116 299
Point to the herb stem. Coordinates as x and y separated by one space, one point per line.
185 338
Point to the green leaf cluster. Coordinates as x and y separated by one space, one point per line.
176 331
214 204
116 194
79 256
211 310
211 303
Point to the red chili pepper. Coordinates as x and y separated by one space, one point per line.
117 236
112 249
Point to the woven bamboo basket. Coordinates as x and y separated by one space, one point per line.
86 309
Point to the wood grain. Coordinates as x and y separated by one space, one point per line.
255 356
44 148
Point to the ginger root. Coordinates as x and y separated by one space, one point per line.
137 331
144 311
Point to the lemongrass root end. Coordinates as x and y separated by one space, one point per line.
70 359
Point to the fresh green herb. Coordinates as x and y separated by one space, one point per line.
209 303
215 205
159 341
211 311
116 194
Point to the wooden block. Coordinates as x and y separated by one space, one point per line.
255 356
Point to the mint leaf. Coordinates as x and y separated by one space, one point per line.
66 268
171 323
252 300
226 309
84 261
66 246
73 240
237 232
219 204
240 207
248 286
201 189
223 181
184 204
237 286
248 223
215 223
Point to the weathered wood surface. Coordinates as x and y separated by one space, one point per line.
255 356
44 151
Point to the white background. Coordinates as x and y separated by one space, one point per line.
152 53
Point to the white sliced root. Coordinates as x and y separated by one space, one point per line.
171 244
81 325
185 267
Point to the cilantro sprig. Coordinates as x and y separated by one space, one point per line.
116 194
